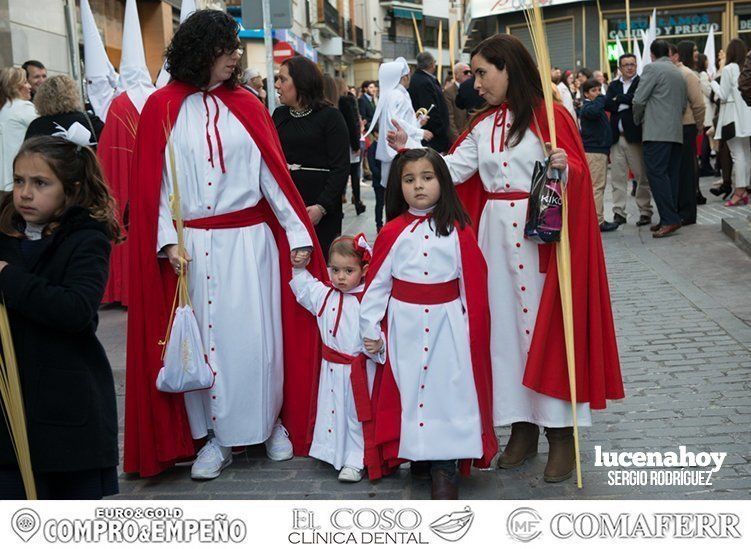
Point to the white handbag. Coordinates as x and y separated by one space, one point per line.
185 365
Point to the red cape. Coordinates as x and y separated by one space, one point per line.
598 371
157 433
386 400
115 151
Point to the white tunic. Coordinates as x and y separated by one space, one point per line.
337 436
428 347
399 108
514 279
234 276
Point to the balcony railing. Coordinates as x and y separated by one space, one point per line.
359 37
330 15
399 47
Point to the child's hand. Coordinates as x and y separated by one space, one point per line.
300 257
178 263
373 346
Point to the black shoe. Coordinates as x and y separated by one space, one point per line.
685 222
607 226
359 208
420 470
619 219
723 190
701 199
644 220
633 188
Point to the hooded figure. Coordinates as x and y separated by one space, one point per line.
117 141
394 104
101 78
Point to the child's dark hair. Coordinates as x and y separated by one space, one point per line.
345 246
448 210
591 84
83 183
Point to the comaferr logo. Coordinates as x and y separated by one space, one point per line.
646 526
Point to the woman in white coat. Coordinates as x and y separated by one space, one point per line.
394 104
734 121
16 114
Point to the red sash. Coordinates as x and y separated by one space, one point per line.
513 195
359 378
234 220
425 294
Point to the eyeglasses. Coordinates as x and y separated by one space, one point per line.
232 51
626 65
467 72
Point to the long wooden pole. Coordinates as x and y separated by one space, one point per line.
628 25
452 44
440 52
417 34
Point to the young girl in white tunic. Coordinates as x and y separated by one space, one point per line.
346 374
428 281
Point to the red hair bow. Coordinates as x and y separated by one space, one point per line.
362 246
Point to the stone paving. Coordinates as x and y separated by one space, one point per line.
682 308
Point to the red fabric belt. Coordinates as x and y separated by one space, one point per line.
425 294
513 195
233 220
358 377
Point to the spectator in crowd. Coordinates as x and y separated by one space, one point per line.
744 80
336 92
58 104
315 142
457 117
705 167
379 187
563 92
467 98
674 57
366 103
254 83
658 106
36 74
596 137
626 153
582 75
693 125
425 91
600 77
734 121
16 113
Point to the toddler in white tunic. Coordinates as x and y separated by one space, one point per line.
338 433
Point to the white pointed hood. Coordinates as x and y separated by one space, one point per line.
134 74
101 78
186 10
389 75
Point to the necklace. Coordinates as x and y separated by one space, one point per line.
300 113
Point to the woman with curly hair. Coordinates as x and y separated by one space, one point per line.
245 222
59 106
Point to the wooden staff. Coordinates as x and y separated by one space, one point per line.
563 249
417 33
628 24
440 52
452 44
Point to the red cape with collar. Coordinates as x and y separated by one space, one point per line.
157 433
115 152
386 400
598 371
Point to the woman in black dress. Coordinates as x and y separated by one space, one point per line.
315 141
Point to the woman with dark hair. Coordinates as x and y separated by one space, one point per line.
315 142
693 124
734 120
348 107
245 223
492 163
705 82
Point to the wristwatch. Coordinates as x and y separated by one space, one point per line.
323 210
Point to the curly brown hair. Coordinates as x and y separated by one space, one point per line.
81 175
198 42
59 94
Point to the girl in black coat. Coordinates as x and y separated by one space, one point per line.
56 230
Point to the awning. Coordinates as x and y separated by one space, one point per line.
405 13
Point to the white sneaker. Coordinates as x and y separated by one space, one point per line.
210 462
350 474
278 446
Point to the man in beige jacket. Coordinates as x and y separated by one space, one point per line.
693 123
457 117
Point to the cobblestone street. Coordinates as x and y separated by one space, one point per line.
682 308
